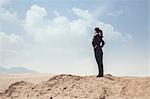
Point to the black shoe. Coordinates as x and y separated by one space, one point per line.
99 76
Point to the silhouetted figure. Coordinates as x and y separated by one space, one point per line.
98 43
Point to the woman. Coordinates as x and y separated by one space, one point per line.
98 43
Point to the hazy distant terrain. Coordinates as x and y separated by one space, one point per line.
80 87
15 70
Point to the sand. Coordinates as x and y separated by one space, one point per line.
80 87
8 79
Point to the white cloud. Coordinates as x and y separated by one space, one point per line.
34 23
13 50
84 14
6 15
117 12
3 2
11 42
35 16
12 45
59 29
41 28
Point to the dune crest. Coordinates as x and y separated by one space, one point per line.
81 87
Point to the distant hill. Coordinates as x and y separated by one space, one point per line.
15 70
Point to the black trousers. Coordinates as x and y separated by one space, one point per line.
99 59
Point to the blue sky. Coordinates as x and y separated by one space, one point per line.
54 36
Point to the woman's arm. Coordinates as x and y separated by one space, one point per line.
103 43
94 43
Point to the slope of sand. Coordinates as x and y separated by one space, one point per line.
77 87
8 79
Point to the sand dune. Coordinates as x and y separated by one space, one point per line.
8 79
77 87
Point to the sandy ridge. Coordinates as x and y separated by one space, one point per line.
76 87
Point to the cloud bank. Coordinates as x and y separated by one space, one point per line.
54 41
38 25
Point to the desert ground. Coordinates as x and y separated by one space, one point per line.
74 87
8 79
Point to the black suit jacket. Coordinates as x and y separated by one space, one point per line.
97 40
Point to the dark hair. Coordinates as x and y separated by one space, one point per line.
99 31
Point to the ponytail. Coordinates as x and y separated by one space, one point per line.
99 31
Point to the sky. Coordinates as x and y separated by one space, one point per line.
55 36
